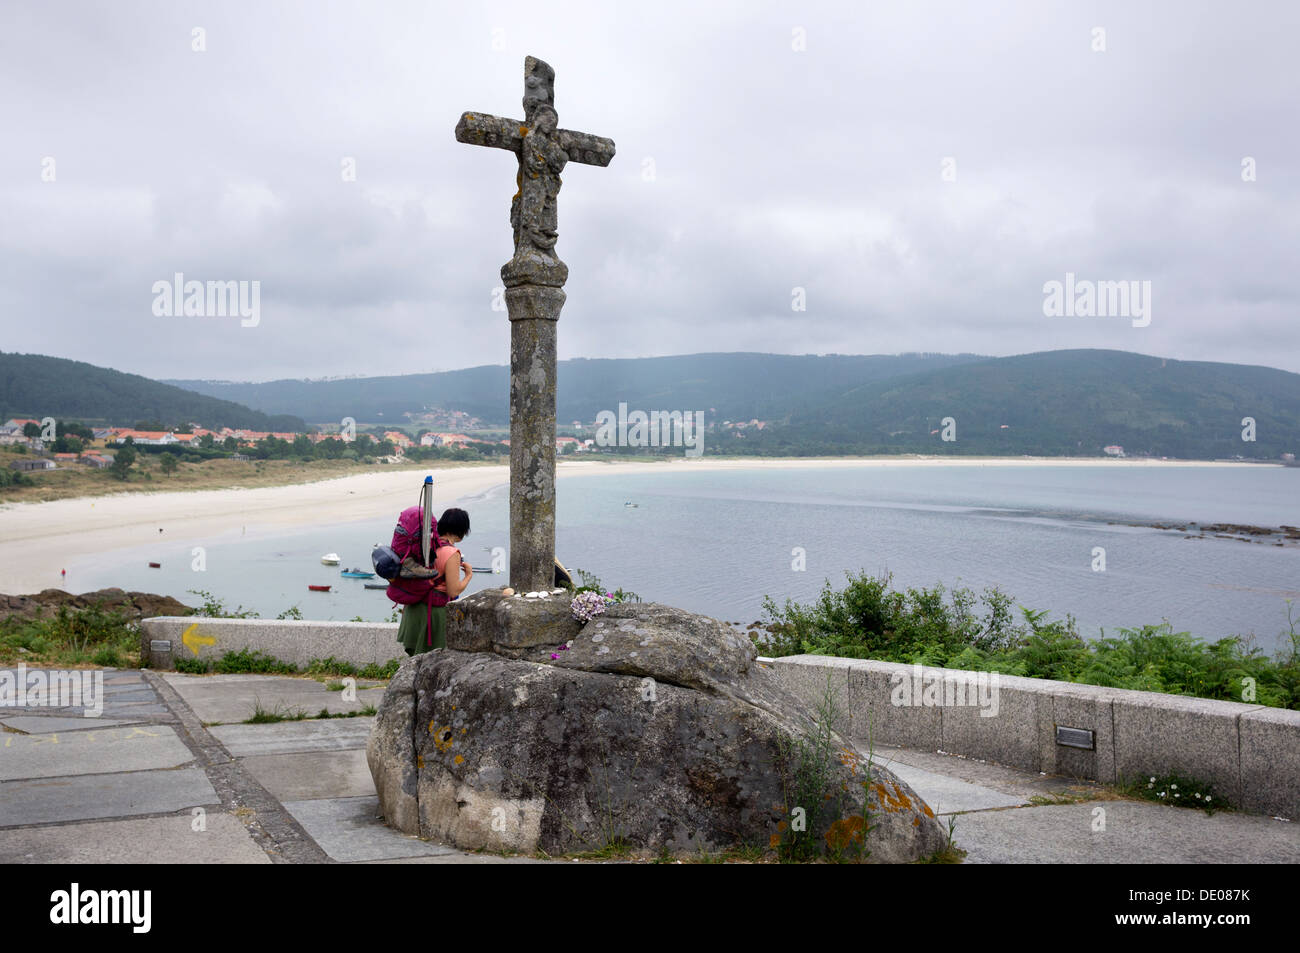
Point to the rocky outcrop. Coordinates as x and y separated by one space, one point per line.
649 726
133 605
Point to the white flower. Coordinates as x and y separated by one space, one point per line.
586 605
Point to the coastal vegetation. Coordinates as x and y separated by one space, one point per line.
147 474
71 638
957 628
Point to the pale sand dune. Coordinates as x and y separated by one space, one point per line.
39 539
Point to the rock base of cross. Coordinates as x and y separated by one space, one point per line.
648 725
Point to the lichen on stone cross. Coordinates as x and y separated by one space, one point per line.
534 280
542 150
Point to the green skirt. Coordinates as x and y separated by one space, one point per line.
413 632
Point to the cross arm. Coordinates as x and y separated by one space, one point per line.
586 148
480 129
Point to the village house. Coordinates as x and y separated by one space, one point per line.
146 438
446 440
1114 450
253 436
33 463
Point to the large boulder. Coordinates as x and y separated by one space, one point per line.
132 605
655 727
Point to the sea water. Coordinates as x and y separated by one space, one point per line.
717 542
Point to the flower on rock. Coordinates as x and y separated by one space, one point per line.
587 605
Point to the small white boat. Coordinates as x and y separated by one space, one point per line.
633 505
330 559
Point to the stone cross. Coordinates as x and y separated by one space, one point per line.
534 281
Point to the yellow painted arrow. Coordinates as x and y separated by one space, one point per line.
193 641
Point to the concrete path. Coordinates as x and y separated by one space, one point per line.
1005 816
170 774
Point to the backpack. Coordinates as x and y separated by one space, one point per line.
406 542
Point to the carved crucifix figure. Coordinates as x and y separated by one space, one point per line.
534 279
542 150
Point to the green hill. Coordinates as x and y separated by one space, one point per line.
32 385
737 386
1053 402
1063 402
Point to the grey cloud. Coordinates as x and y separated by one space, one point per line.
773 169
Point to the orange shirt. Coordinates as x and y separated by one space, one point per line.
440 565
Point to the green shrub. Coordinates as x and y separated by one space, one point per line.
584 581
869 619
380 672
107 657
71 637
330 666
214 608
1177 790
252 662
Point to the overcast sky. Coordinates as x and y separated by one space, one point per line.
746 168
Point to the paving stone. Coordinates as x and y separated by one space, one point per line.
36 725
155 840
46 800
350 829
230 699
107 751
313 774
455 857
134 695
135 709
286 737
948 795
1135 833
986 774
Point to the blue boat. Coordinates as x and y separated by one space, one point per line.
357 574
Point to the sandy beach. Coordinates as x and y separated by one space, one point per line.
37 540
